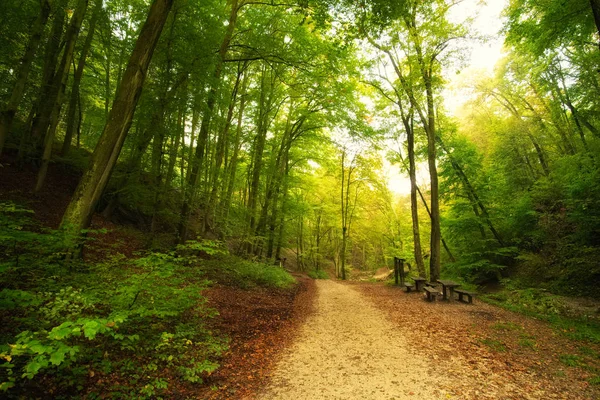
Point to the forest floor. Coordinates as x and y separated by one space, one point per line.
372 341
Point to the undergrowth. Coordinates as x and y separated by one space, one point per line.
318 274
548 307
124 328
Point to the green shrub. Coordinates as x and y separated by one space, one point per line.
242 273
544 305
129 319
318 274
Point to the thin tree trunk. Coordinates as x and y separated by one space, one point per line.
232 168
284 196
595 4
205 126
259 147
77 80
42 109
80 210
472 193
11 107
212 208
59 86
412 172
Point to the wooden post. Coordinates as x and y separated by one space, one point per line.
401 270
396 271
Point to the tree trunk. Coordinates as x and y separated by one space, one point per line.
412 172
80 210
232 167
212 209
205 126
264 108
283 212
59 87
42 109
472 193
436 235
596 11
11 107
71 120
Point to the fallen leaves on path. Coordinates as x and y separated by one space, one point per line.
509 356
260 323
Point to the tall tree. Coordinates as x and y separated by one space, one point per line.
10 108
81 208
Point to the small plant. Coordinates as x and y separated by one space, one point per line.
570 360
318 274
529 343
493 344
506 326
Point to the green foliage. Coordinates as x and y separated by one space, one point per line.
249 273
544 305
236 271
113 318
318 274
570 360
494 344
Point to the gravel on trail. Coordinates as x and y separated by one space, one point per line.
348 349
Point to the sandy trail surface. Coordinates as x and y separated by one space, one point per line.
348 349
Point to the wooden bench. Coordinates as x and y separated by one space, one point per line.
419 282
431 293
409 287
462 293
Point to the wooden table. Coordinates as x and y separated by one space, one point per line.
419 283
448 286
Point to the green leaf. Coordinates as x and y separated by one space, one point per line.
62 331
34 366
57 357
4 386
37 347
91 329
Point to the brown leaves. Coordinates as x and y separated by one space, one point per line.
260 323
507 355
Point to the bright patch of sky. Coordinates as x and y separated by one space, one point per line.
483 54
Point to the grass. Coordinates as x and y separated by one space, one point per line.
506 326
571 360
529 343
546 307
494 344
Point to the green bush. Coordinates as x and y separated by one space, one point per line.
318 274
236 271
544 305
130 319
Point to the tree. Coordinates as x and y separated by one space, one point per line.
10 108
79 212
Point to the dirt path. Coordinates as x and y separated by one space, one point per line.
349 349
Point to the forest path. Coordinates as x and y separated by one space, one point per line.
349 349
